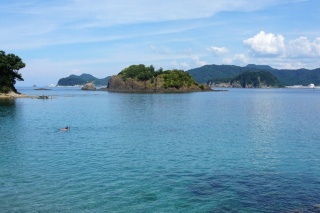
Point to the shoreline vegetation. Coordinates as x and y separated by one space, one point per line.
10 65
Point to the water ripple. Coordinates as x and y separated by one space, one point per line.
240 151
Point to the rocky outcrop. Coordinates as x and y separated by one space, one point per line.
88 86
226 85
238 85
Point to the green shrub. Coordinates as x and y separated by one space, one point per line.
5 89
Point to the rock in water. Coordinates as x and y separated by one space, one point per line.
88 86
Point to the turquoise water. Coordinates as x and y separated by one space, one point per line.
245 150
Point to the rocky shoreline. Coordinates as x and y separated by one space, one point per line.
238 85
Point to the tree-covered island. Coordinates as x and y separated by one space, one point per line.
10 64
75 80
141 78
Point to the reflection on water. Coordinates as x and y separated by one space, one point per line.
8 127
7 107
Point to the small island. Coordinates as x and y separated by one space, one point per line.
141 78
75 80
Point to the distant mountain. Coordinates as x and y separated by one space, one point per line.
298 77
213 72
74 80
259 67
102 82
260 79
286 77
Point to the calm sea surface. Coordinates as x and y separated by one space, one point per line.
245 150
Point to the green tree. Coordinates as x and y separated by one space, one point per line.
10 64
177 79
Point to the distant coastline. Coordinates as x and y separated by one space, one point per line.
42 89
216 74
311 86
286 77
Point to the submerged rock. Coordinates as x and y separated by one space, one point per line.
88 86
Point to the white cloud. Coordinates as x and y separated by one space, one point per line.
317 45
197 62
85 14
227 60
237 59
39 18
242 58
107 12
182 65
286 63
266 44
218 50
303 47
192 62
291 65
293 54
185 65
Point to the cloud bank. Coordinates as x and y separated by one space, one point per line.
266 44
303 47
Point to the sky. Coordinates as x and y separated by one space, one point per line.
57 38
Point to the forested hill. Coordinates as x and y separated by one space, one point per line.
260 79
74 80
286 77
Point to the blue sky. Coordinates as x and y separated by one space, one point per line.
56 38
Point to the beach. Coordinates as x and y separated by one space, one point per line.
13 95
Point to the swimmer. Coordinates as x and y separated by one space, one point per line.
64 129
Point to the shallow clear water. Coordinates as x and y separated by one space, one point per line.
245 150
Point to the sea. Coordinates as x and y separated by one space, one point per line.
240 150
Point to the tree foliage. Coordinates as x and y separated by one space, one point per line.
177 79
10 64
139 72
